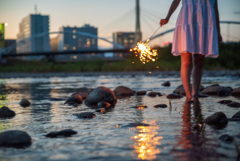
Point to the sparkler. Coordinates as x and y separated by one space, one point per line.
145 52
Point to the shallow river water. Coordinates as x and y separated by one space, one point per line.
171 135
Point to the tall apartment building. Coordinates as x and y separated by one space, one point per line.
78 38
33 34
126 39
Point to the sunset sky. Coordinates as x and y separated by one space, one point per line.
108 16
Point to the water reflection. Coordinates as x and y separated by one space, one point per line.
146 141
193 141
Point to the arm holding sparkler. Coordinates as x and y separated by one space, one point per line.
172 8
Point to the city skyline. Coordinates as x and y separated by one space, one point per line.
108 16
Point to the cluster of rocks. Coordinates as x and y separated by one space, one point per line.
103 99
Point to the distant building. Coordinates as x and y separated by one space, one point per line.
126 39
54 42
78 38
33 34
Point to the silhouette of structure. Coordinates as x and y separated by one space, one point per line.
31 25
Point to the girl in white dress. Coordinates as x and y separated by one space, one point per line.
196 36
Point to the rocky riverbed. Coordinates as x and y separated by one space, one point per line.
118 116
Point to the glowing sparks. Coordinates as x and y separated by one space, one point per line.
144 52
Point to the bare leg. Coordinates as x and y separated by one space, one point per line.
198 60
186 61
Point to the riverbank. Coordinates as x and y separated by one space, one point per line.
206 73
229 58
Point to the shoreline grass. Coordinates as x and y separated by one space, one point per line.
228 60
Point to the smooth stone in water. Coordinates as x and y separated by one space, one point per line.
15 139
135 125
74 99
173 96
103 104
86 115
233 104
140 106
180 90
236 92
236 115
216 118
166 84
224 91
101 94
123 91
5 112
211 90
56 99
160 106
141 93
82 94
62 133
101 110
224 101
154 94
25 103
226 138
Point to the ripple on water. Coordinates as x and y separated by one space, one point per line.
169 136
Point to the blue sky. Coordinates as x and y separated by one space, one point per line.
108 15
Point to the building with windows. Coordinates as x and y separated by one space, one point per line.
78 38
126 39
33 34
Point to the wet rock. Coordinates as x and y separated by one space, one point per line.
56 99
226 138
62 133
141 93
101 110
84 90
24 103
203 95
82 94
154 94
236 92
211 90
196 127
166 84
5 112
140 106
15 139
224 101
180 90
101 94
134 125
74 100
224 91
216 118
173 96
233 104
123 91
160 106
86 115
103 104
236 115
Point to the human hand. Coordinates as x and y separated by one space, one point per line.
163 22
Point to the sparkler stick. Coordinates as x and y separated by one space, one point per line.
144 51
153 35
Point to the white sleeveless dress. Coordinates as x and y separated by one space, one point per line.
196 30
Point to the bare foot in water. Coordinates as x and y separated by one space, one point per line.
189 99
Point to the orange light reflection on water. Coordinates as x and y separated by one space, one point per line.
146 141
